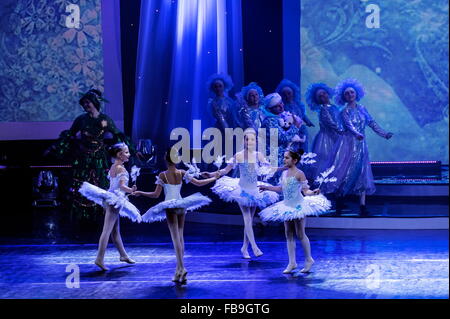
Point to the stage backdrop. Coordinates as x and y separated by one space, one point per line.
51 51
399 51
182 43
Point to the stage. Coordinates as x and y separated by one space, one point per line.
349 264
77 78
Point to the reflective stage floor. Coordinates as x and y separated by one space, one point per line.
357 264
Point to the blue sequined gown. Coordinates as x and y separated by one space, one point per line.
300 111
271 121
351 156
326 138
223 109
248 117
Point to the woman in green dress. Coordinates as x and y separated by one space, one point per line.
84 143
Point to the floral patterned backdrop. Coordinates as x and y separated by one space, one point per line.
44 64
403 65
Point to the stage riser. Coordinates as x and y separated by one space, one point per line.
334 222
404 170
412 190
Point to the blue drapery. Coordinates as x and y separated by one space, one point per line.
181 43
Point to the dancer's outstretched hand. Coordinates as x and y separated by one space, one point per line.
210 174
205 174
263 188
136 193
316 191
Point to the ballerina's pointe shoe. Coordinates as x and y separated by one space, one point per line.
245 253
127 260
101 265
257 252
289 268
308 265
183 277
177 276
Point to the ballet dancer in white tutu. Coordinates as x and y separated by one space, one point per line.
244 190
114 202
294 208
174 207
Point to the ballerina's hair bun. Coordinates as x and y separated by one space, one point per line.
116 148
296 151
171 155
249 130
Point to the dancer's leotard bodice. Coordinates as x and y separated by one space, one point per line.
171 191
248 175
292 189
114 182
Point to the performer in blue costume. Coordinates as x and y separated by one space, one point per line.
273 109
250 107
290 94
220 105
351 155
318 98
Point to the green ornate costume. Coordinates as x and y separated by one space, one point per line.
89 158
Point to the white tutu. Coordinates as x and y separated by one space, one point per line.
228 189
158 212
310 206
116 199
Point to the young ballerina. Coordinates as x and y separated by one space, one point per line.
174 207
114 202
294 208
244 190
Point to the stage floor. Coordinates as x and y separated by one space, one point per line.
357 264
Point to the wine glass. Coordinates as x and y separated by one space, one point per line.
147 149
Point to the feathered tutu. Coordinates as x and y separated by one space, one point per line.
228 189
309 206
190 203
116 199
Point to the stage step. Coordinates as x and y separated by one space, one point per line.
335 222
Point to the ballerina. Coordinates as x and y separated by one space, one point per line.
114 202
174 207
294 208
243 190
